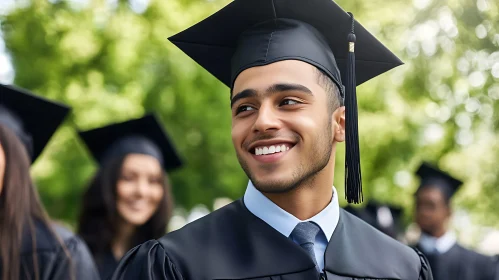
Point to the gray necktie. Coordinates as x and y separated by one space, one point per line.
304 234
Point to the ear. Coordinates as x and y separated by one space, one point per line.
338 124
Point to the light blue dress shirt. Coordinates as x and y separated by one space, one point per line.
437 245
284 222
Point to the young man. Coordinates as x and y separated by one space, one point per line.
279 58
448 260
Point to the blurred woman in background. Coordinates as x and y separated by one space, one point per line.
128 201
31 247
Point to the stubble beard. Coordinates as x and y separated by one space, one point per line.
302 174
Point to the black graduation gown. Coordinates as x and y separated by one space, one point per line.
106 264
53 263
460 263
232 243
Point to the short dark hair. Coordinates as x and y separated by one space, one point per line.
333 92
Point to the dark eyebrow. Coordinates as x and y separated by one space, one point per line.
275 88
288 87
243 94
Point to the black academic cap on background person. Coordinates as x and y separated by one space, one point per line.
384 217
387 217
249 33
32 118
144 135
431 176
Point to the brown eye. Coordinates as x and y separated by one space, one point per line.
126 177
155 181
289 102
244 108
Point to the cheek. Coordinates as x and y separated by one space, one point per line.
124 190
157 193
307 126
442 214
239 130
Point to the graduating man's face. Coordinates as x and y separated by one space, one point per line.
432 210
282 130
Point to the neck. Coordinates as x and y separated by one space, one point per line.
121 242
437 233
310 197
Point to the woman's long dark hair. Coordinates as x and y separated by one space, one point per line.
99 218
20 207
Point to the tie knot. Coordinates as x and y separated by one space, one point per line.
305 232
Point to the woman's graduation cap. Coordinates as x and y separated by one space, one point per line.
138 136
436 178
32 118
249 33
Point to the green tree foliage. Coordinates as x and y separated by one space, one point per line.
111 63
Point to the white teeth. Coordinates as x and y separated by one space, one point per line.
271 149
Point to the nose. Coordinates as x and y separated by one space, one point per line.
267 119
142 187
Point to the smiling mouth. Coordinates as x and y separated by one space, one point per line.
271 149
138 205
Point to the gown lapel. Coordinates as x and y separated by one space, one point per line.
356 250
255 249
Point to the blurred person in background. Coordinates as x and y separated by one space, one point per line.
385 218
448 259
31 246
128 201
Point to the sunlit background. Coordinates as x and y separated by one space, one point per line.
111 60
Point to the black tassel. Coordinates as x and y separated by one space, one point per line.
353 177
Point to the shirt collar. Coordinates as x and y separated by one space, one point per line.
284 222
441 244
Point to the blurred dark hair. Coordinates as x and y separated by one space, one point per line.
335 99
20 207
99 215
440 185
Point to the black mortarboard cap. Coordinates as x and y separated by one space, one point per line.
431 176
143 136
32 118
248 33
384 217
